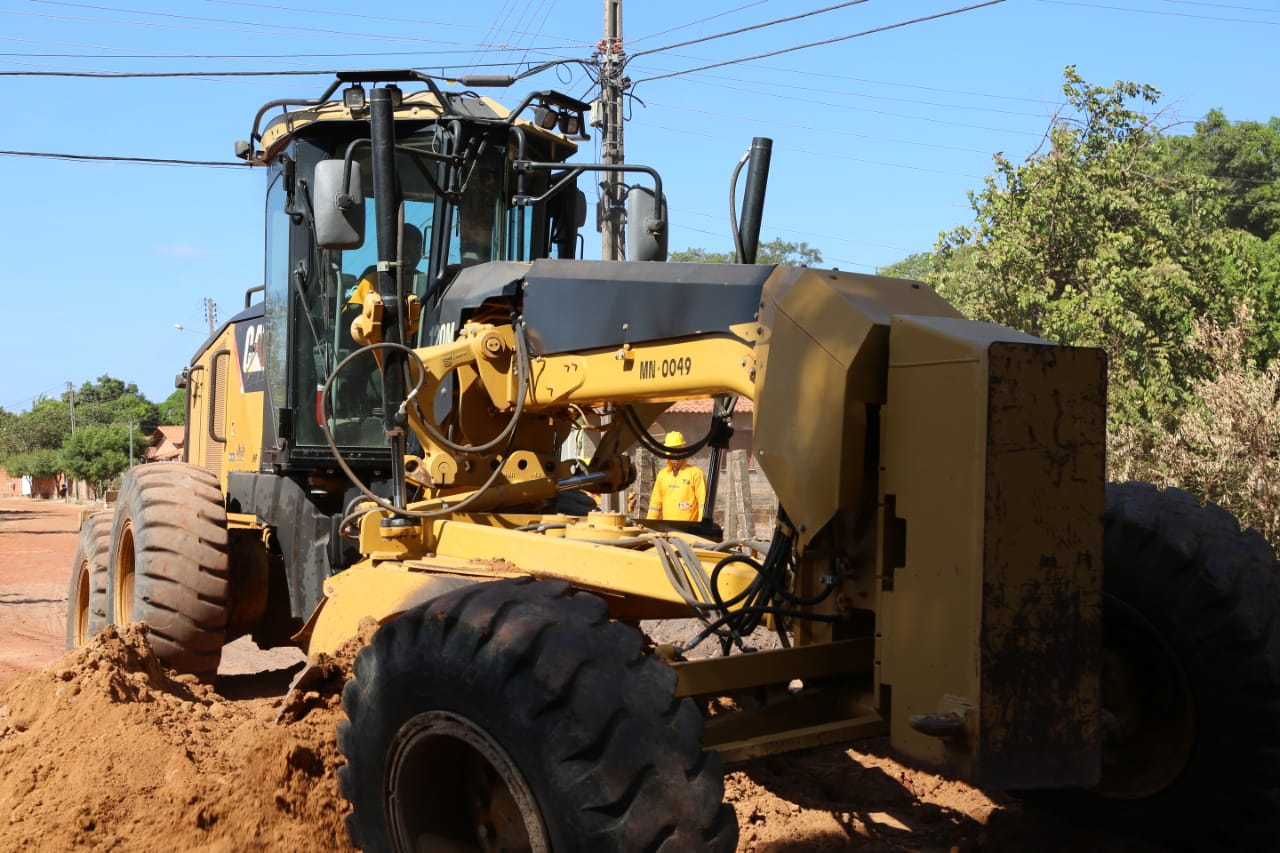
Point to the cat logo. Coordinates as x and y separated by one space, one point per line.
251 343
251 361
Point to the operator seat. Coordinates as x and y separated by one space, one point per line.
357 391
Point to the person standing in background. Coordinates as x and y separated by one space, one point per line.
680 489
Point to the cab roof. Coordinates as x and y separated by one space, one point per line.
423 105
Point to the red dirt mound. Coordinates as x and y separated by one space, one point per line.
103 750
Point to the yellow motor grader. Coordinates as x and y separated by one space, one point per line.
381 432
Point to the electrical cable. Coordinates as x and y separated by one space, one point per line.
734 229
748 29
1111 8
732 11
444 72
834 40
348 13
149 161
252 27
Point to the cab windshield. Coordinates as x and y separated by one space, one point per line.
338 280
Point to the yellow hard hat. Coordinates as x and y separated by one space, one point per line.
675 438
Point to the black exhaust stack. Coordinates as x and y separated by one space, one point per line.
387 201
753 197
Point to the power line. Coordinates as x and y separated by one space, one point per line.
826 75
536 33
811 235
741 8
232 25
1218 5
1163 14
850 107
826 131
823 42
748 29
106 158
114 52
773 84
345 14
31 399
232 55
313 72
830 155
108 75
495 26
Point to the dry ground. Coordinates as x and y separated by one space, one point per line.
101 750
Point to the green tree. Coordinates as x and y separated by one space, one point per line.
45 427
173 411
775 251
917 267
104 390
1244 159
9 442
111 401
99 454
37 463
1105 240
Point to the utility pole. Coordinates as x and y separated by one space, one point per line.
211 313
609 116
71 400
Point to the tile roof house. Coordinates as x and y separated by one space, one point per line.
166 444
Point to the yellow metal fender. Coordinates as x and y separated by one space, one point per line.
381 592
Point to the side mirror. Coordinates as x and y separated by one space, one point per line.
569 213
646 226
339 210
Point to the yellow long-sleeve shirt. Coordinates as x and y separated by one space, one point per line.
678 495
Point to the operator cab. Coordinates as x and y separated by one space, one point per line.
463 204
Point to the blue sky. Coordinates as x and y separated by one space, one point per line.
877 138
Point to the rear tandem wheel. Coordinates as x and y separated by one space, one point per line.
1191 677
87 597
168 564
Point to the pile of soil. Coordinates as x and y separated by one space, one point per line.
104 750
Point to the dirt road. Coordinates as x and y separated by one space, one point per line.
100 749
37 540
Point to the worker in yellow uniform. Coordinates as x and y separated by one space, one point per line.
680 489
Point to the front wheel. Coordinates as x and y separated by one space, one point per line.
513 715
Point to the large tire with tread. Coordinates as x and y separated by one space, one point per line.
515 715
168 564
1191 676
87 595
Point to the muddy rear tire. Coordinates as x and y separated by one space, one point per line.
1191 677
168 564
87 596
515 715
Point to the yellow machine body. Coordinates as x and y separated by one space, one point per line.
940 480
963 460
225 387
